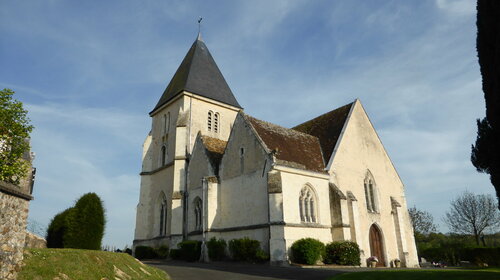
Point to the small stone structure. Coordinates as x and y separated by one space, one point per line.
34 241
14 208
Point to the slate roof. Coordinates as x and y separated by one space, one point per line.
215 150
327 128
198 74
292 148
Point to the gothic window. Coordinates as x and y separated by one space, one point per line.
216 122
370 193
198 213
308 205
209 124
163 217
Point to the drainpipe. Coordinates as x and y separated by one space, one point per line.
204 252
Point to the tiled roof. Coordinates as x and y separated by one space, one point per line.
292 148
327 128
215 150
199 74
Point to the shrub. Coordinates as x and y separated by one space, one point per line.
216 249
307 250
343 253
145 252
175 254
57 229
190 250
244 249
261 256
86 223
479 255
162 252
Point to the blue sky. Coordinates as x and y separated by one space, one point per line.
90 71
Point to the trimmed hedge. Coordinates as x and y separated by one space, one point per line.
190 250
57 229
175 254
307 251
162 252
145 252
79 227
216 249
343 253
244 249
86 223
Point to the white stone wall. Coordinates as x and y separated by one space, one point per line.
243 198
361 150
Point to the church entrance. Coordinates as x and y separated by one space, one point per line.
376 245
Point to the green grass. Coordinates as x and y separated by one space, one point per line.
77 264
426 274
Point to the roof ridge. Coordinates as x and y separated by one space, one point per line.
282 127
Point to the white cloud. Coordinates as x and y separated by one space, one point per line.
457 7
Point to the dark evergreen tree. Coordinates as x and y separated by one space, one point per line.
57 229
486 153
86 222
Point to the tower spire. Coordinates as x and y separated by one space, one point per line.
199 29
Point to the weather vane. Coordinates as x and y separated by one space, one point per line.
199 24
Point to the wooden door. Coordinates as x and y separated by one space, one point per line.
376 245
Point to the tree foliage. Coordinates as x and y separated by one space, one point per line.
14 131
486 153
81 226
422 221
472 214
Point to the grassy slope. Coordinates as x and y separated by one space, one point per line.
429 274
84 264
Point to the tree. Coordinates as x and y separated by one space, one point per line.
14 131
422 221
472 214
486 153
86 223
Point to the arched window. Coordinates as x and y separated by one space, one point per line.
370 193
163 216
209 121
216 122
198 211
164 155
308 205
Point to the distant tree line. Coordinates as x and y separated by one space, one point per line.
473 220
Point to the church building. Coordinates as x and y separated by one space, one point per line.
211 170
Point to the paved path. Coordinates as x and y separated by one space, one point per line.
238 271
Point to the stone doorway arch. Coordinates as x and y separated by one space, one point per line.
377 244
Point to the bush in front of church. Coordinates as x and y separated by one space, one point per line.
343 253
145 252
216 249
307 251
190 250
244 249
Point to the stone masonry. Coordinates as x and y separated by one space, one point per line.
14 207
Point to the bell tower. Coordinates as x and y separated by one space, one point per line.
197 99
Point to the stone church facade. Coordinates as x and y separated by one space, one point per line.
211 170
